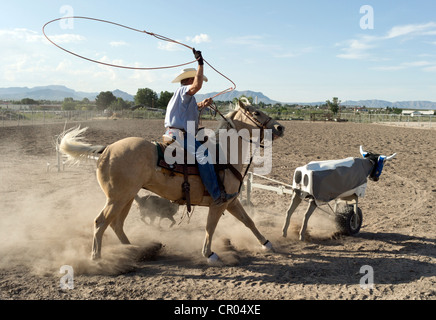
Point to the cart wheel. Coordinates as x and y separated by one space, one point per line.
347 222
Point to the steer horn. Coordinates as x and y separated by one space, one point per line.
363 153
390 157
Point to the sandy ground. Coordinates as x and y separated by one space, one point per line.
46 221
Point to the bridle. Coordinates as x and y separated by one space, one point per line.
247 114
257 123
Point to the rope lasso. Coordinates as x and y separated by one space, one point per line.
157 36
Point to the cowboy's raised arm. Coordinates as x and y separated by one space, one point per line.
198 80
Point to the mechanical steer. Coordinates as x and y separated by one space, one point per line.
342 180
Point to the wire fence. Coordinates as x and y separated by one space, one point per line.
35 117
419 121
27 117
423 121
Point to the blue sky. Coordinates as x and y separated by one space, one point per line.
292 51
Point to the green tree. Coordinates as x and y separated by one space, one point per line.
104 100
146 97
334 105
68 104
119 104
28 101
164 98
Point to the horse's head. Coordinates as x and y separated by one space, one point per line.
248 116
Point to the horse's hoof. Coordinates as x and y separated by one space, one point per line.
267 246
213 259
95 256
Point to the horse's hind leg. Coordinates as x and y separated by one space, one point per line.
118 223
106 216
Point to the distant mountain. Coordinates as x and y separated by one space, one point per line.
54 93
59 93
399 104
236 94
124 95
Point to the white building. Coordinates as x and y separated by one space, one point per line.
417 113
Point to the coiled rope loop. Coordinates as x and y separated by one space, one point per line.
157 36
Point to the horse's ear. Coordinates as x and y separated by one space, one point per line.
242 104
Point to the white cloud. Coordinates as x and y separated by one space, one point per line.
293 53
360 47
357 48
169 46
118 43
30 36
389 68
249 40
21 34
417 64
425 65
410 29
430 69
199 38
259 42
66 38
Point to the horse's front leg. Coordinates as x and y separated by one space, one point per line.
212 221
238 211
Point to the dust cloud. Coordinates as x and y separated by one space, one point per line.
47 221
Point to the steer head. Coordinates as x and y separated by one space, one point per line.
378 162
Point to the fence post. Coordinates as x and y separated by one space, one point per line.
249 182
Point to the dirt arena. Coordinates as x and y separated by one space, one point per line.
46 222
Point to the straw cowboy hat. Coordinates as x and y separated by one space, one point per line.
186 74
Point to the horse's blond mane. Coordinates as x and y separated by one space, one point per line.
223 124
228 124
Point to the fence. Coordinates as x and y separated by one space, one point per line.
394 119
32 117
281 189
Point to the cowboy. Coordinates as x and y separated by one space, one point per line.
182 112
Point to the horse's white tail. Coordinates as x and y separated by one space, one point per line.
69 144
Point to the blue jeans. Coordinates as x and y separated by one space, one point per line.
206 169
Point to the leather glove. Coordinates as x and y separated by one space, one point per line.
198 56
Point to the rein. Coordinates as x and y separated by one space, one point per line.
231 124
261 126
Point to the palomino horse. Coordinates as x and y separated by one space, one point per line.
128 165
